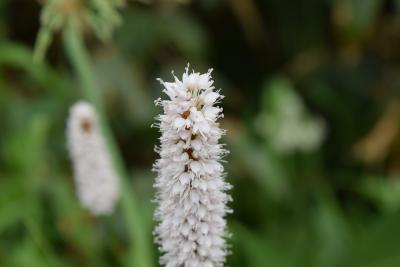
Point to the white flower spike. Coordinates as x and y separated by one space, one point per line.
191 191
95 178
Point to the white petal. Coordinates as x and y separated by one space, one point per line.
196 144
194 196
210 98
195 166
211 113
185 178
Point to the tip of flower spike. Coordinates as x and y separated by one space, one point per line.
83 108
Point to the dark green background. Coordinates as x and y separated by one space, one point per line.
338 205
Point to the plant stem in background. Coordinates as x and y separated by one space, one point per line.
140 254
37 237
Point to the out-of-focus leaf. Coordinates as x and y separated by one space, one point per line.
18 56
124 86
144 34
334 237
384 191
378 244
290 248
24 146
356 17
11 202
27 254
256 250
76 228
262 164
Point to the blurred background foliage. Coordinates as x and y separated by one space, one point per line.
312 110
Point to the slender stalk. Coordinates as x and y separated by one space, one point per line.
140 253
37 238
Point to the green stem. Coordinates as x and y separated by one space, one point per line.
37 238
140 253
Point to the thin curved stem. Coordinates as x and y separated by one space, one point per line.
140 253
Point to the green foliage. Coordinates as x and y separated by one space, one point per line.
330 65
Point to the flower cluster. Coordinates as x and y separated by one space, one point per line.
99 16
191 191
95 177
285 121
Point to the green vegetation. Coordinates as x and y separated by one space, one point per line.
312 110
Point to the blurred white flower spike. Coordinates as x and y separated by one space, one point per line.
285 121
95 178
191 191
